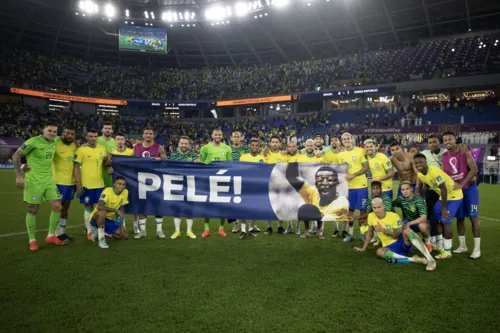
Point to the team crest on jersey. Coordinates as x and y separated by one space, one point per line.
261 161
413 209
376 165
354 158
189 159
33 198
101 155
388 226
223 153
433 182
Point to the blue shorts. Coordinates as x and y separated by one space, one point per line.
470 203
414 227
400 247
67 192
388 193
413 186
110 226
358 198
91 197
453 206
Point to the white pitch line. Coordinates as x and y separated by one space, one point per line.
489 218
44 230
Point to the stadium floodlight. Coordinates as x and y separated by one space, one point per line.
132 22
194 25
171 25
153 15
88 6
146 23
186 16
217 13
126 22
127 13
309 4
265 14
151 24
109 10
281 3
76 13
241 9
146 14
268 3
193 15
452 50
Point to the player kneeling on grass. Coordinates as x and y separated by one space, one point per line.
108 215
396 242
414 212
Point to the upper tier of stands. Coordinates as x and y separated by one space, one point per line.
428 59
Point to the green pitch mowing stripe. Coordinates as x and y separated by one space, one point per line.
277 283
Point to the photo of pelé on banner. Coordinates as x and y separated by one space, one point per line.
309 191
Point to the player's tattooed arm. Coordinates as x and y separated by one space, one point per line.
394 234
292 175
16 158
163 155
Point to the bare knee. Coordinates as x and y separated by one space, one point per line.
33 209
424 228
56 206
381 252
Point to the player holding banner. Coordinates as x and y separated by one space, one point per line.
215 151
237 149
253 157
462 168
184 153
151 150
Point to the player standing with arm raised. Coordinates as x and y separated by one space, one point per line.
39 184
184 153
63 173
91 159
149 149
109 143
215 151
462 168
449 202
355 158
237 149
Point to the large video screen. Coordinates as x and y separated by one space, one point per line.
143 39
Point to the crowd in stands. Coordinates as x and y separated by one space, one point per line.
428 59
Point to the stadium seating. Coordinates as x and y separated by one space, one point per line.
460 56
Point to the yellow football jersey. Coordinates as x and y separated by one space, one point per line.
91 160
113 201
126 152
248 157
292 158
63 163
275 157
303 158
355 159
379 165
391 221
335 211
331 157
435 177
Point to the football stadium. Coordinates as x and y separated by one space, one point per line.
257 165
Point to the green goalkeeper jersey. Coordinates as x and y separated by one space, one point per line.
178 156
39 154
237 152
210 153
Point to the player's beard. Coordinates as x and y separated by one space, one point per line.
310 151
184 150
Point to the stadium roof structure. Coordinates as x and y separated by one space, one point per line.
268 33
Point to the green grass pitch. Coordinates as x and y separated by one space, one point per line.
277 283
